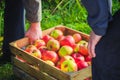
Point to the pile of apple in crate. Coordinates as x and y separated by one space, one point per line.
61 54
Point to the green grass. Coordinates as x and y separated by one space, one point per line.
6 72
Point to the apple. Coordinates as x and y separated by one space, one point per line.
38 43
61 38
78 57
30 48
65 50
89 63
56 33
50 62
50 55
42 49
75 47
82 64
77 37
46 38
68 66
67 40
58 65
88 58
66 58
88 78
83 47
53 45
36 53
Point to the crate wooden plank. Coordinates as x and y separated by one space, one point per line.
21 74
86 73
31 70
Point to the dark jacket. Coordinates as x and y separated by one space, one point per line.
99 14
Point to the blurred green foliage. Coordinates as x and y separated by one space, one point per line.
70 13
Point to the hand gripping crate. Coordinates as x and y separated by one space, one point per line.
37 69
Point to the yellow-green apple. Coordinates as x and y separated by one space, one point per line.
83 47
36 53
82 64
53 45
62 59
68 57
77 37
67 40
50 62
50 55
78 57
46 38
56 34
65 50
68 66
38 43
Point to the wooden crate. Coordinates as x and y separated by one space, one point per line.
40 70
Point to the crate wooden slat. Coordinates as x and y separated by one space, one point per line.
21 75
31 70
45 71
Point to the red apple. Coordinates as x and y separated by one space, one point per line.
46 38
75 47
50 55
56 34
82 64
68 40
77 37
65 50
30 48
39 43
61 38
53 45
42 49
83 47
88 79
68 66
88 58
78 57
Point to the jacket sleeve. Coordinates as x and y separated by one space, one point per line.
33 10
98 15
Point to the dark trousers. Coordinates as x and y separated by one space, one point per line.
13 23
106 65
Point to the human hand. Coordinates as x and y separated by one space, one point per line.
34 32
94 39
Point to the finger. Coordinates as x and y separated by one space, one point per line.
89 50
92 50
